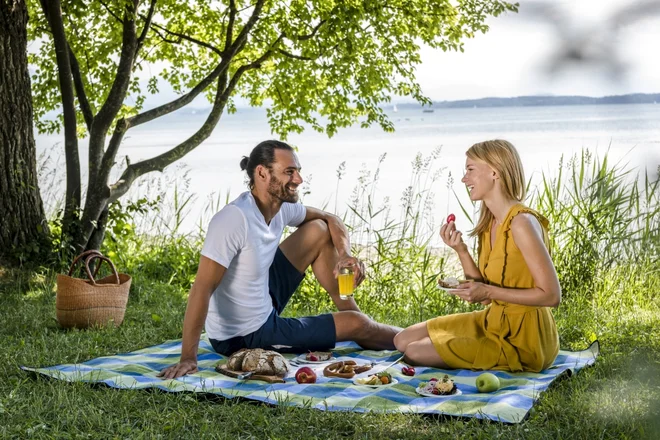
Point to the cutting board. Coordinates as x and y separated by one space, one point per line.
222 369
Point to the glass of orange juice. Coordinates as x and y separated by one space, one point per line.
346 280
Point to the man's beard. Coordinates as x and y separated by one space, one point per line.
278 190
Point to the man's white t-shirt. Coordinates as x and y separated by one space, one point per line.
239 239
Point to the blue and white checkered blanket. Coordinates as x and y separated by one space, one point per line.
510 404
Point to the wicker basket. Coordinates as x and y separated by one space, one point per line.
85 303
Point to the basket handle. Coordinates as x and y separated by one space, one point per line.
84 254
92 255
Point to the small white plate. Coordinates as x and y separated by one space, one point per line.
302 359
355 381
447 289
421 392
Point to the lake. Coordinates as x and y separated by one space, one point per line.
631 134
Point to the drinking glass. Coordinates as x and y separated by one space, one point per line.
346 279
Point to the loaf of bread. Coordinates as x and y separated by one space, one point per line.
259 361
235 361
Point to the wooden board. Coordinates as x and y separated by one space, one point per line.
222 369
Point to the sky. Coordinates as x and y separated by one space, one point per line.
522 52
519 55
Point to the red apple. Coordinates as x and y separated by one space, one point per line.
305 375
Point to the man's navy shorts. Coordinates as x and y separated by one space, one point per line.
293 335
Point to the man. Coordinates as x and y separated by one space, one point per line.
246 276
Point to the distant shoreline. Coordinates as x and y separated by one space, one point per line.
519 101
540 100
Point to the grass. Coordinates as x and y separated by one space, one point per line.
617 398
614 299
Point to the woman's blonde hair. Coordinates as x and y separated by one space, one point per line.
501 156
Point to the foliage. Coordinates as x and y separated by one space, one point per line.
164 253
339 59
602 218
322 63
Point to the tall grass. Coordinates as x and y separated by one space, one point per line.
396 242
605 223
605 237
605 240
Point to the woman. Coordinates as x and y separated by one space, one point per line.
515 276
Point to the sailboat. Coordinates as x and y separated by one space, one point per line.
394 109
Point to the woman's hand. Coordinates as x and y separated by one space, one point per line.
452 237
473 292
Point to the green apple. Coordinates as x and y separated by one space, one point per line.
487 383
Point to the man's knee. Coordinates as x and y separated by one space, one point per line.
352 325
318 229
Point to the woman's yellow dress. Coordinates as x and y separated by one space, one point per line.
504 336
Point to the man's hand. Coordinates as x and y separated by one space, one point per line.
357 265
177 370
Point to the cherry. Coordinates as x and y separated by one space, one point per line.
451 218
408 371
313 358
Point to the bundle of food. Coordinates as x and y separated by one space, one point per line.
345 369
318 356
449 283
443 387
258 361
381 378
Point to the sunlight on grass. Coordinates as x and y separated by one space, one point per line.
621 400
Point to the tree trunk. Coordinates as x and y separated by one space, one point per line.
96 240
23 228
70 222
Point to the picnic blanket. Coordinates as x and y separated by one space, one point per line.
510 404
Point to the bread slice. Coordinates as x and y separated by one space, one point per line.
320 355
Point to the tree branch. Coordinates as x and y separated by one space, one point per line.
164 38
147 25
116 96
188 38
313 33
85 107
107 8
134 171
242 36
297 57
230 25
53 12
182 101
227 56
